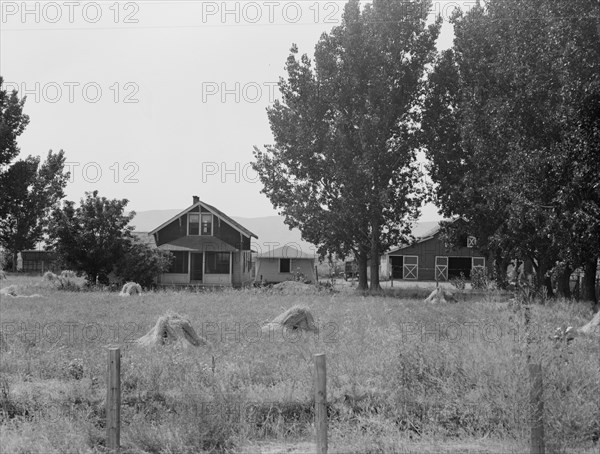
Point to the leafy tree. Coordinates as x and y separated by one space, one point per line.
29 192
342 169
12 124
511 126
142 264
93 237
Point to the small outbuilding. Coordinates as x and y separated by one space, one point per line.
38 261
285 263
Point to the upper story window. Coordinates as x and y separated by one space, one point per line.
194 224
206 225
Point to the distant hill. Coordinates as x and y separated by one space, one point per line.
271 230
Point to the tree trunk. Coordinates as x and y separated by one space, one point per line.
501 265
528 269
564 282
542 279
14 260
361 258
375 286
589 283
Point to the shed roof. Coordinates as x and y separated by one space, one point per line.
144 237
285 252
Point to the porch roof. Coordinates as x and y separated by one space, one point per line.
198 244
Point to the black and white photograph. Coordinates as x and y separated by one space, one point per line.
311 226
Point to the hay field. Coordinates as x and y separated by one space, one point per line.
402 376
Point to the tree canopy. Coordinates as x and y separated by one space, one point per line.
511 123
342 168
93 237
29 189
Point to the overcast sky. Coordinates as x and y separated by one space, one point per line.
157 101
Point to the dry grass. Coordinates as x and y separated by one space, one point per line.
402 376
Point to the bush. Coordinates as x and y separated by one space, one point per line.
142 264
480 279
459 282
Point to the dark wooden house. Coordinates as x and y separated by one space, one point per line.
209 248
38 261
430 259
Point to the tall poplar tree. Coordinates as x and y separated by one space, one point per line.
342 168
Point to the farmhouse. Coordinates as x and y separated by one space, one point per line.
428 259
285 263
209 248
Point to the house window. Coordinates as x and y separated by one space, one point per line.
206 224
217 262
194 224
284 265
179 264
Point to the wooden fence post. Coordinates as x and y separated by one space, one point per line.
537 408
321 403
113 400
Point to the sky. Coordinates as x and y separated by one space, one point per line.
156 101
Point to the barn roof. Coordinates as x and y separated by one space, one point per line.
285 252
236 225
426 236
198 243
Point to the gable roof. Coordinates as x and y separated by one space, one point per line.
285 252
213 210
428 235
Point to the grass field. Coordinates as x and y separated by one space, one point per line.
402 376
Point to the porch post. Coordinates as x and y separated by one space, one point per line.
231 268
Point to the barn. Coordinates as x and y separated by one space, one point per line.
430 259
285 263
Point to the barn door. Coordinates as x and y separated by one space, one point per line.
397 266
410 268
441 268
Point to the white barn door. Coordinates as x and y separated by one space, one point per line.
441 268
410 268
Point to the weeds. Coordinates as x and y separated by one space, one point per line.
396 369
